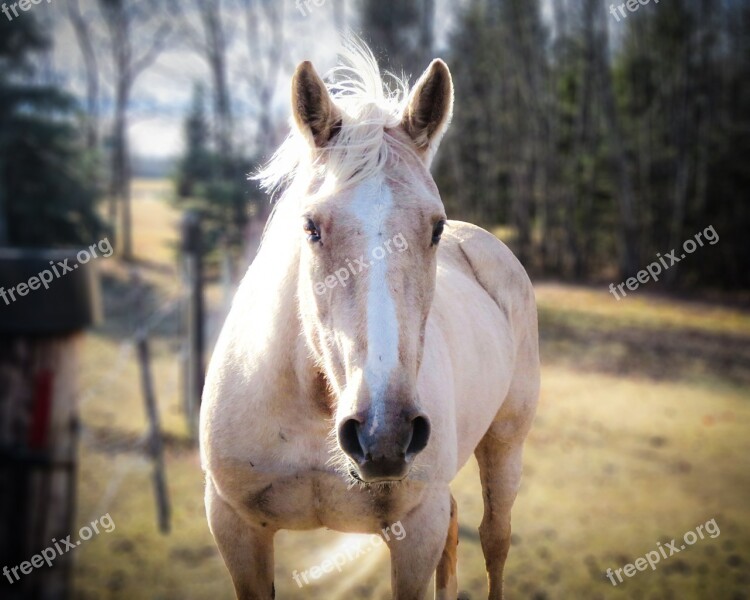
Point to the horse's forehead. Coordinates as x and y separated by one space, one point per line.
381 197
372 202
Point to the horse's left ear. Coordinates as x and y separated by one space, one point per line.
429 109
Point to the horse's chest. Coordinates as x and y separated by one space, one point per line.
321 499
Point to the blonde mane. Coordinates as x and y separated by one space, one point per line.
369 106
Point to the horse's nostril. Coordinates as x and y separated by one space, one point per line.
349 440
420 436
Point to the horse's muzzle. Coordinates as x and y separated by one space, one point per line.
381 454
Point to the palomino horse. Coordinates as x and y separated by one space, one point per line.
367 353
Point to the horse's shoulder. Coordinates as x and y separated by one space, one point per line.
490 262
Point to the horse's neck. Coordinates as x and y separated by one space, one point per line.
268 296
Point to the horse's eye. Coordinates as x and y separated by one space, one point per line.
312 231
437 231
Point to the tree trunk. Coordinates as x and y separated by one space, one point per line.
121 18
3 203
427 30
83 35
629 260
211 19
681 133
120 190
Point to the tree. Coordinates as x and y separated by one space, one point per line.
203 184
46 194
499 125
124 21
267 57
395 32
82 27
202 26
207 26
198 163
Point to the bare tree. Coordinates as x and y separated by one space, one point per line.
625 195
82 29
201 25
521 27
267 59
215 51
123 19
427 30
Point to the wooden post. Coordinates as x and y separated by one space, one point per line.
194 372
156 445
39 338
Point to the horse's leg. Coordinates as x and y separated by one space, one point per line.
415 557
500 472
247 551
446 582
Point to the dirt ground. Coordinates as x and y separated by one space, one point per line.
641 436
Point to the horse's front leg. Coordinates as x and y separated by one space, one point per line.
415 557
500 472
247 550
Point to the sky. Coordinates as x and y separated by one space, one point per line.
162 94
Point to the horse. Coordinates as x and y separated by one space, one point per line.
372 347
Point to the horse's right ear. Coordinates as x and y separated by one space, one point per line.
315 114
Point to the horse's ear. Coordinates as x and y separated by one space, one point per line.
429 109
314 112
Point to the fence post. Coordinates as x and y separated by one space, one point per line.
39 338
156 442
194 369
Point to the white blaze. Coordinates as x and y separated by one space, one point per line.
372 205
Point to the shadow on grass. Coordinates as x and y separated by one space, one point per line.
594 344
132 302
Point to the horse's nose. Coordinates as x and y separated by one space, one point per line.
383 452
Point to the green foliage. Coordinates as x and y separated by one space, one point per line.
534 142
682 86
46 193
479 191
214 186
199 162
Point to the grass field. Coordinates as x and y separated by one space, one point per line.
641 436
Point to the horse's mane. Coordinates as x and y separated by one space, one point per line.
369 106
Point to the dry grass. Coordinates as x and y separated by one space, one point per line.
642 434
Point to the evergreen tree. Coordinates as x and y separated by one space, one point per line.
601 154
198 162
211 184
47 197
